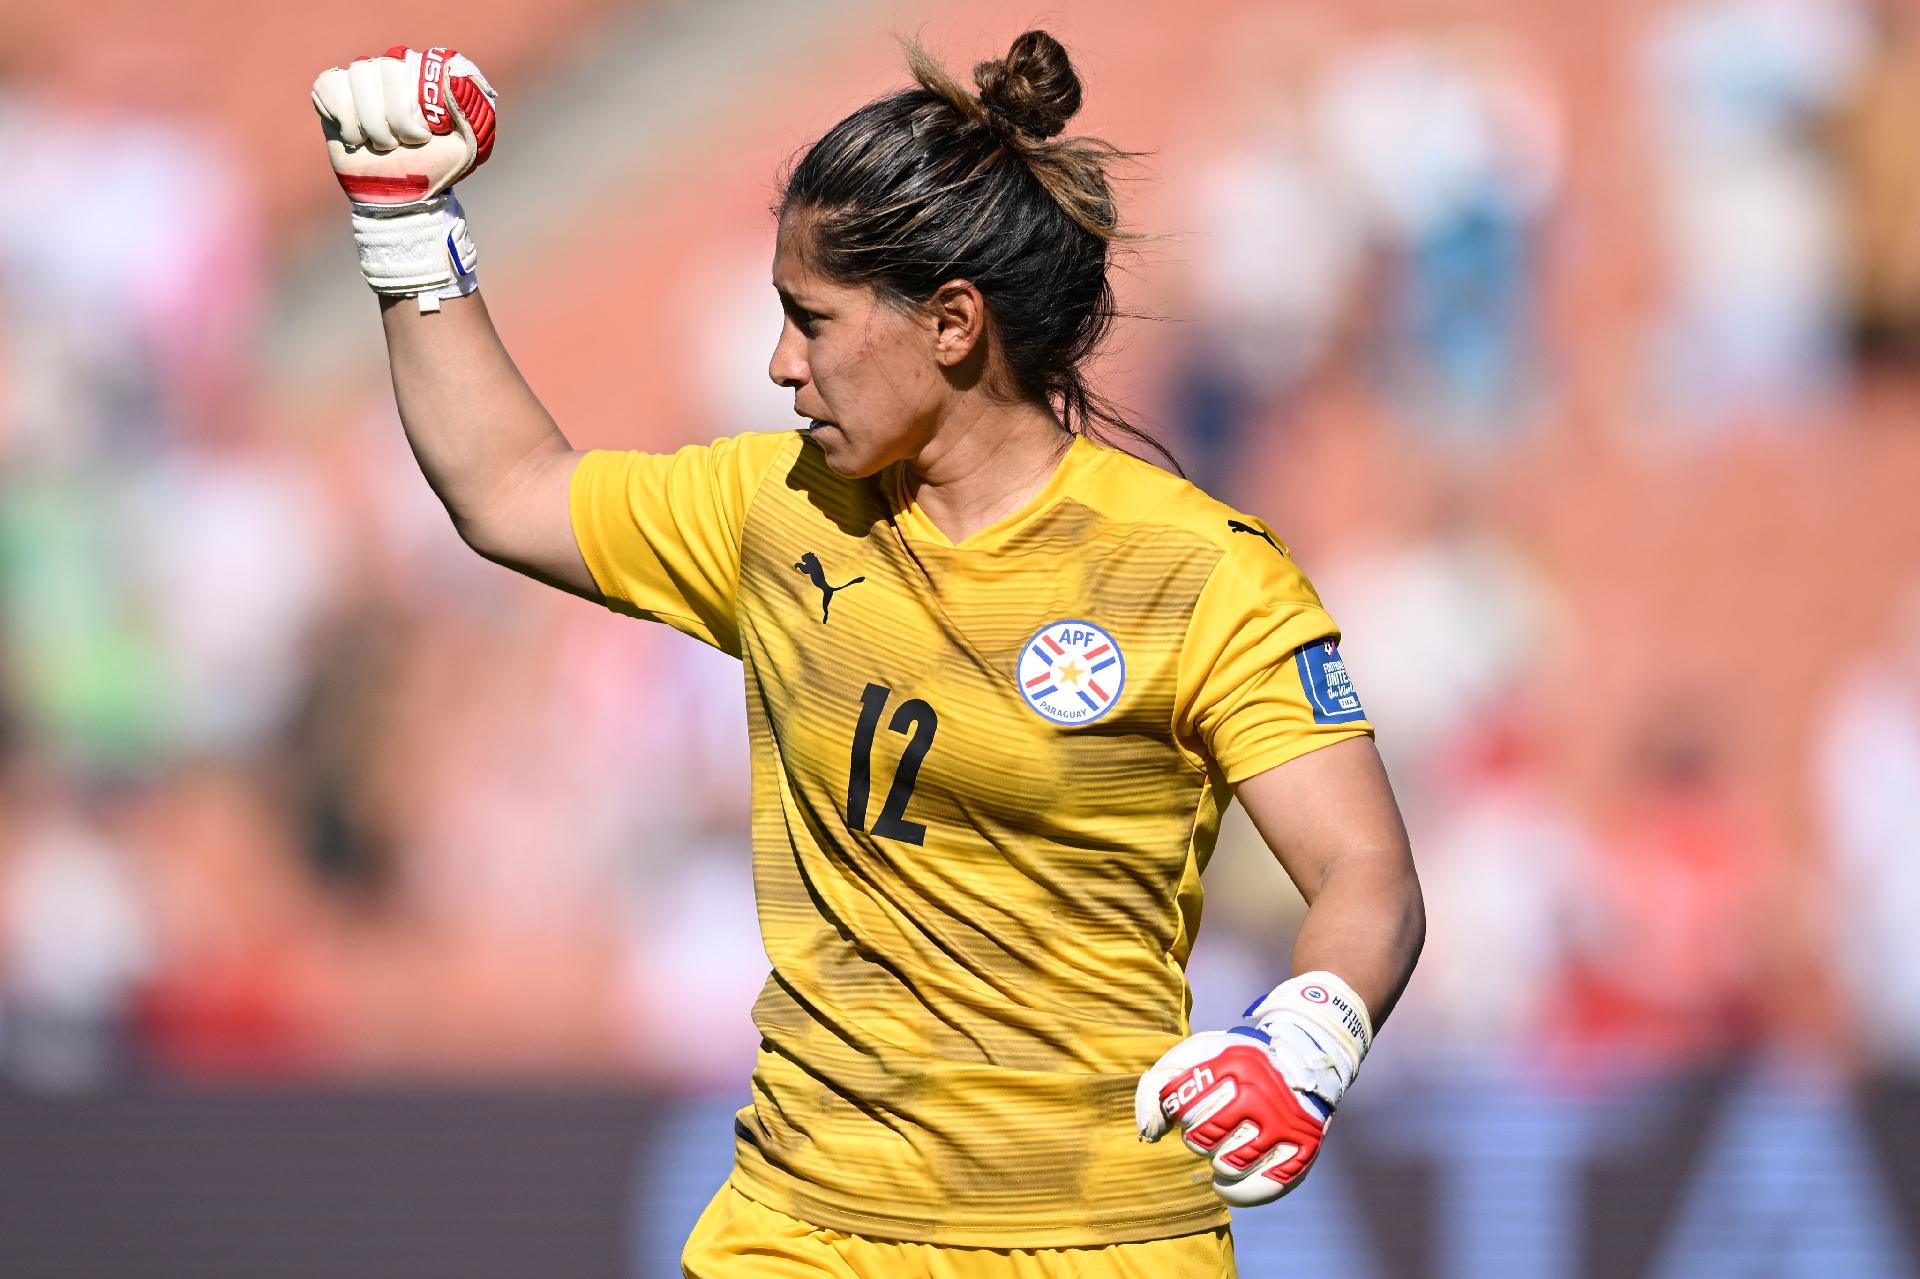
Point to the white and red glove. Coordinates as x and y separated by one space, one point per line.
1257 1099
401 130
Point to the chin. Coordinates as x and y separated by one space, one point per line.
843 457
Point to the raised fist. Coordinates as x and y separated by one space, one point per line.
401 130
403 127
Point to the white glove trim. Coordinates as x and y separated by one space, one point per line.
1321 1025
423 251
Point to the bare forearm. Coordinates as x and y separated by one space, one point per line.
473 422
1366 924
1330 818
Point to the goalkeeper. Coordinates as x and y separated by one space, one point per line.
1003 679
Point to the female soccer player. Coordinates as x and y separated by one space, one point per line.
1002 680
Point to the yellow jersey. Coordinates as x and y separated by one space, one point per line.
986 779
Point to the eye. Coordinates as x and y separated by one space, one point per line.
802 319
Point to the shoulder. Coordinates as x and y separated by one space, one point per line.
759 453
745 459
743 465
723 478
1131 491
793 485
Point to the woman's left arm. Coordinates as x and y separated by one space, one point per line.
1256 1099
1330 818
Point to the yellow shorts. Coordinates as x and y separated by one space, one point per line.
737 1238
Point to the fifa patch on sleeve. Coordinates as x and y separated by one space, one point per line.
1329 688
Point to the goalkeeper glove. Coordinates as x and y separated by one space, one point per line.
1256 1099
401 129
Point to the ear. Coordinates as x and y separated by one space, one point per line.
959 315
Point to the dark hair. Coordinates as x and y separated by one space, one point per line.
934 183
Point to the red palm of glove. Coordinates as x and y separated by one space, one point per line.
1237 1107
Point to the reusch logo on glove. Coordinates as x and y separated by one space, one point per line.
433 67
1190 1090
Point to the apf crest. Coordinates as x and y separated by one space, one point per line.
1071 672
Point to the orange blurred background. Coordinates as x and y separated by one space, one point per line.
1574 348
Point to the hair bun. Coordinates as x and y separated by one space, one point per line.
1033 88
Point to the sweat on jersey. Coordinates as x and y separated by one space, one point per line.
986 778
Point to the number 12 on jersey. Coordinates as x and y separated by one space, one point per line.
915 720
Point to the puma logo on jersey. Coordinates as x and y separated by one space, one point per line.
810 565
1237 527
1189 1091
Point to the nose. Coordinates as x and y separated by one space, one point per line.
788 367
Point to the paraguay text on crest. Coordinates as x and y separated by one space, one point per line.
1072 672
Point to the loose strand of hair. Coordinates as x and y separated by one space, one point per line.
1097 416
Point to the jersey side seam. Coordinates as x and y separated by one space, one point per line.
1193 760
1199 873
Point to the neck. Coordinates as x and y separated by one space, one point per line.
985 464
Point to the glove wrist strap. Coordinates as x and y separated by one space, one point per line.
1334 1018
419 250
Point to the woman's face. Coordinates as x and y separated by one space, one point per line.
863 373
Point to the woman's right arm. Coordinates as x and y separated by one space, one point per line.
487 446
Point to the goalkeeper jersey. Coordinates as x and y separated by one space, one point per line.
986 779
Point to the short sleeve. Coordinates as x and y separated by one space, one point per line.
1261 678
661 532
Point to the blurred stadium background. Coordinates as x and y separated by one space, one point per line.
366 910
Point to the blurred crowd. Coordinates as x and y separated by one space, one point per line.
293 784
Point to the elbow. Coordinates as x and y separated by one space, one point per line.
480 535
471 518
488 528
1415 928
1413 920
